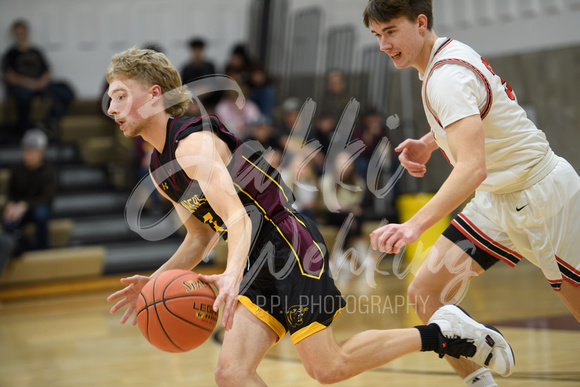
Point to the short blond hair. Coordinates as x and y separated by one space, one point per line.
152 68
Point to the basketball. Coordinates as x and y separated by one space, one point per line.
175 311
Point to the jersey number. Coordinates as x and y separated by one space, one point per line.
508 89
208 218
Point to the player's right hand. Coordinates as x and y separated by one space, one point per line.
414 156
228 286
129 295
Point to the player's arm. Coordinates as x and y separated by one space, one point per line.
199 156
467 144
198 241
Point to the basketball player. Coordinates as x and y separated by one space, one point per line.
527 199
276 278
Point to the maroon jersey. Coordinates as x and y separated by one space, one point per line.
286 277
258 184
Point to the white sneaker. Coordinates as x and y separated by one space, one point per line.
491 348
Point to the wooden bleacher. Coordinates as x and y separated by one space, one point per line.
92 135
51 264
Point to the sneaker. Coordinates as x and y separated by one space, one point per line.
481 343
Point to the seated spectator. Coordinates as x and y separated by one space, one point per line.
336 96
198 66
323 131
239 121
343 192
239 63
30 194
289 117
27 75
262 90
303 182
374 133
263 132
371 130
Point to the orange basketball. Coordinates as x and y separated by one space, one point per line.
175 311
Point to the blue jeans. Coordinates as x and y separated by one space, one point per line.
60 93
40 216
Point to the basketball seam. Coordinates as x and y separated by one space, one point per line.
157 314
172 298
163 299
146 309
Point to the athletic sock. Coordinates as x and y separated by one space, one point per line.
433 340
429 337
480 378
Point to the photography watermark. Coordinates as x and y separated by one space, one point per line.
355 304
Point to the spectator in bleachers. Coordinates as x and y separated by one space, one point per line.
27 75
30 194
241 122
370 130
198 66
343 187
336 96
302 180
290 110
264 133
261 90
323 131
374 133
239 63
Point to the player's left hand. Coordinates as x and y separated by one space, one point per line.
392 237
228 287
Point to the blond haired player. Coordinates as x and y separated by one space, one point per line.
527 199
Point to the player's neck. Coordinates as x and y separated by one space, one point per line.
156 131
425 54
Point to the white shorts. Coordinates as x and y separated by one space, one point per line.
540 223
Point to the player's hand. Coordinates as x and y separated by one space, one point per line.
228 288
392 237
414 156
129 296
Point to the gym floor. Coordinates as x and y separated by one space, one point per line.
63 335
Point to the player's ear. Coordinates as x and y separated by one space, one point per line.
152 106
156 91
422 22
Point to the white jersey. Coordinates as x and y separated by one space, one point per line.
459 83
